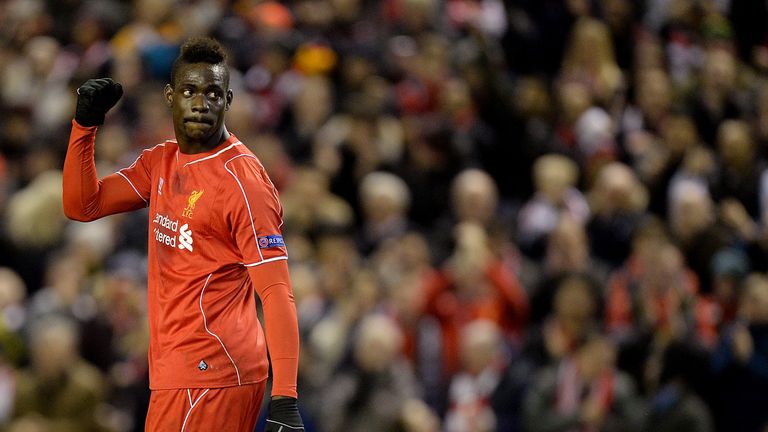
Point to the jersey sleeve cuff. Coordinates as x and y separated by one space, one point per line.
77 125
285 391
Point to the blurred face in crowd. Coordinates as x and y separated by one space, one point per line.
679 134
480 341
754 302
312 104
199 99
338 259
596 356
734 143
648 239
649 53
692 211
574 301
418 14
12 289
575 98
383 196
346 10
53 347
719 71
406 296
378 344
533 99
591 45
666 267
455 98
474 196
617 189
553 175
470 259
618 13
567 247
654 95
65 276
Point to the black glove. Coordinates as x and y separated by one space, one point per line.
283 416
94 98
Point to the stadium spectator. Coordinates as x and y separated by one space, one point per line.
740 361
59 387
583 391
580 138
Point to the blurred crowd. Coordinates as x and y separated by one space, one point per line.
521 215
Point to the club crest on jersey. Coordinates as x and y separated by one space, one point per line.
191 201
271 241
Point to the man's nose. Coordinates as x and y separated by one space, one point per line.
199 103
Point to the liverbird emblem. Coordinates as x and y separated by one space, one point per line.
191 201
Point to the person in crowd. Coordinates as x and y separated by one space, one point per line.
567 253
740 172
537 121
741 361
576 306
385 199
470 390
583 391
675 405
618 203
59 387
472 285
555 178
372 393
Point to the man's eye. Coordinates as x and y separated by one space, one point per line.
186 92
213 95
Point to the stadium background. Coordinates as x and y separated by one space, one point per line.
540 215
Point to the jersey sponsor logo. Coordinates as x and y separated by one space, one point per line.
191 201
271 241
164 224
185 238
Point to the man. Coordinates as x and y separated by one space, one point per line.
214 236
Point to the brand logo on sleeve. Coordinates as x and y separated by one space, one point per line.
271 241
191 201
160 186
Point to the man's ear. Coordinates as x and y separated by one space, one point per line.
168 93
230 96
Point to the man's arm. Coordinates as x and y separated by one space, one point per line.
255 218
86 197
272 283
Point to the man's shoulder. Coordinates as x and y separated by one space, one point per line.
240 161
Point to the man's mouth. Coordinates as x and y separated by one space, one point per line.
199 120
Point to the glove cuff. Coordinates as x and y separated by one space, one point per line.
285 412
89 119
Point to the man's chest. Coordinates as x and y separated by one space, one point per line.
184 208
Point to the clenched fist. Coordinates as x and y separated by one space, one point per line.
94 98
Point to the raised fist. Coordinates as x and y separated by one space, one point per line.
94 98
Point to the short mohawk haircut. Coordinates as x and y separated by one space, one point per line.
198 50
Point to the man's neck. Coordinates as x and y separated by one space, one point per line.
193 147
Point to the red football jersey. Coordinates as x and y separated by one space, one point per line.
214 220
